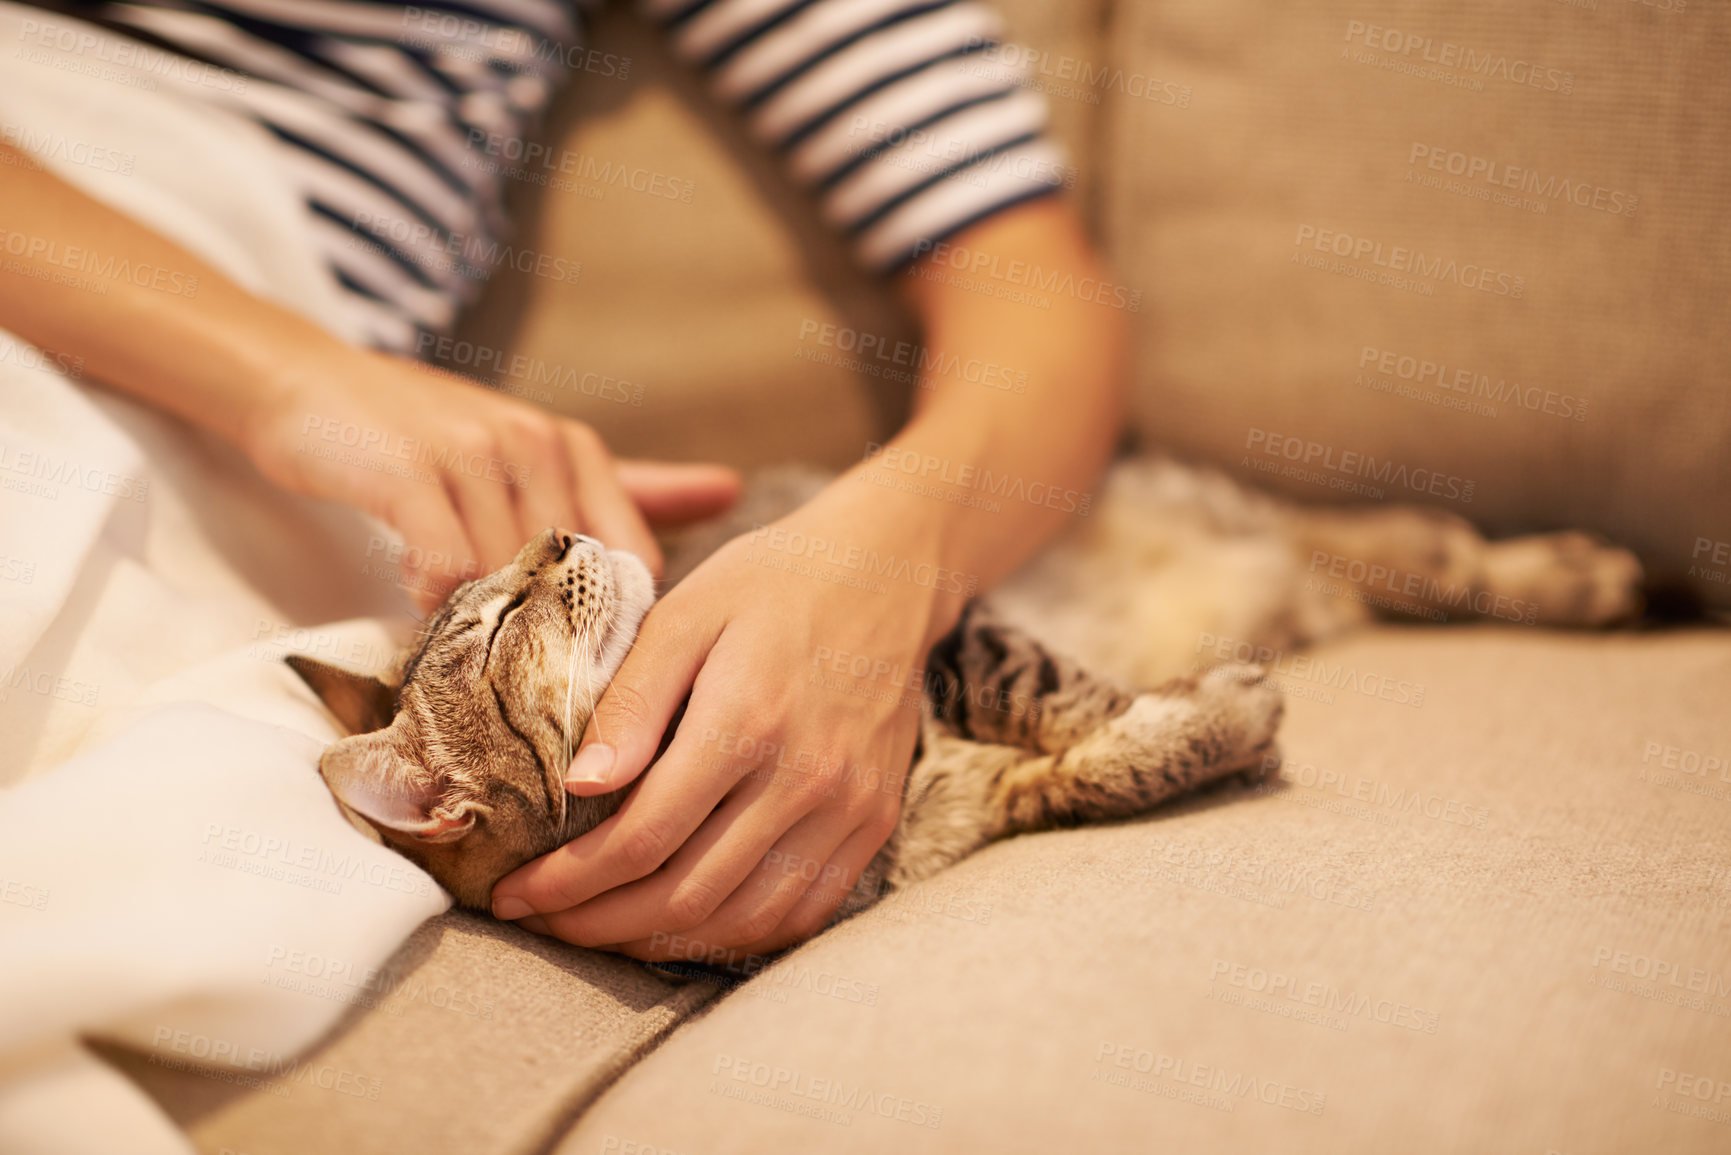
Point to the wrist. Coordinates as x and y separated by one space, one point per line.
896 541
280 398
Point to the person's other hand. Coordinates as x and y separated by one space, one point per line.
465 474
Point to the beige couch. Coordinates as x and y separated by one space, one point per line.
1500 920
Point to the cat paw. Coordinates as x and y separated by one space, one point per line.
1565 579
1205 726
1248 709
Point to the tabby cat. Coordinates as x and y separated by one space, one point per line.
457 757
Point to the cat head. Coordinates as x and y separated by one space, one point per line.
459 759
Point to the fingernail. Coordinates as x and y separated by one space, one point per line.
511 908
591 766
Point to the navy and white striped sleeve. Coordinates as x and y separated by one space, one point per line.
907 118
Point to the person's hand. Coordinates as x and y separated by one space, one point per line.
776 791
466 475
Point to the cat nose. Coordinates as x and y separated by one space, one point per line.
548 545
563 540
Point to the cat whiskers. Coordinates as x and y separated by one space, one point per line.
629 646
570 680
582 643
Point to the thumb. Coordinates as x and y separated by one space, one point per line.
634 711
672 493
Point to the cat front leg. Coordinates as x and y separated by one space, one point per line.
1169 741
963 794
991 682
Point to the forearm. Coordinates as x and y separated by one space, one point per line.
148 317
1019 408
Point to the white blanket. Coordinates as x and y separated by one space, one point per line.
172 869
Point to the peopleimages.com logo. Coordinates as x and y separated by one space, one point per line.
1470 383
1498 175
1402 259
1342 468
1415 49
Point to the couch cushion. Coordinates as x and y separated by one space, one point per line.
1492 921
1482 244
476 1037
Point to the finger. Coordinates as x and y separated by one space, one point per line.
630 845
628 724
795 869
672 493
623 735
601 500
535 924
813 910
488 516
439 555
816 905
699 878
542 484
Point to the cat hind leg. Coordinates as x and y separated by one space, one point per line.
1563 579
1408 562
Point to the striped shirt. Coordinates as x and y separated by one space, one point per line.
905 118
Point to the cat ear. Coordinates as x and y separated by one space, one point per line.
361 703
372 777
